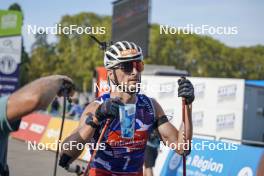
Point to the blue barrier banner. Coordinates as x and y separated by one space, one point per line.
214 158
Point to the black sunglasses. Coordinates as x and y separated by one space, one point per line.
127 67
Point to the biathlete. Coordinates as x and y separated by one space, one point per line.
124 63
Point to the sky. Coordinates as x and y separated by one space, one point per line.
246 15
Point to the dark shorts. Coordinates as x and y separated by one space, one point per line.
151 154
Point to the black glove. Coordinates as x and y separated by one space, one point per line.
186 90
108 109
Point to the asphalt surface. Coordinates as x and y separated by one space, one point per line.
24 162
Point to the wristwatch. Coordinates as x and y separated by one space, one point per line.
89 121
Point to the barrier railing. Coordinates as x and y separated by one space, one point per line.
204 135
243 141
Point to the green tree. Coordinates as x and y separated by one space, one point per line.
205 56
75 55
79 54
15 6
44 58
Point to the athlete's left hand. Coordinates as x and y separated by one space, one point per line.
186 90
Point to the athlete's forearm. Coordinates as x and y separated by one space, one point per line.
82 134
173 137
75 140
87 132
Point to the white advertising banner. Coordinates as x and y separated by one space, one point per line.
218 105
217 109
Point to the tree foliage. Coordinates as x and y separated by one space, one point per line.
205 56
77 55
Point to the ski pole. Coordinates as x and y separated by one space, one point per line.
65 96
184 130
183 121
98 143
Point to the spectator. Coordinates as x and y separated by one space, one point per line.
76 109
55 107
151 153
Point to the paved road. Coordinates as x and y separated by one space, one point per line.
24 162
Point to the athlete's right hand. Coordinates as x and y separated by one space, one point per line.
108 109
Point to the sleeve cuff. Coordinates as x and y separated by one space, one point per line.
5 125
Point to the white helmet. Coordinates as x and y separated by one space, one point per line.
122 52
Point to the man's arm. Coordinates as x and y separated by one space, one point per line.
82 134
170 134
34 96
